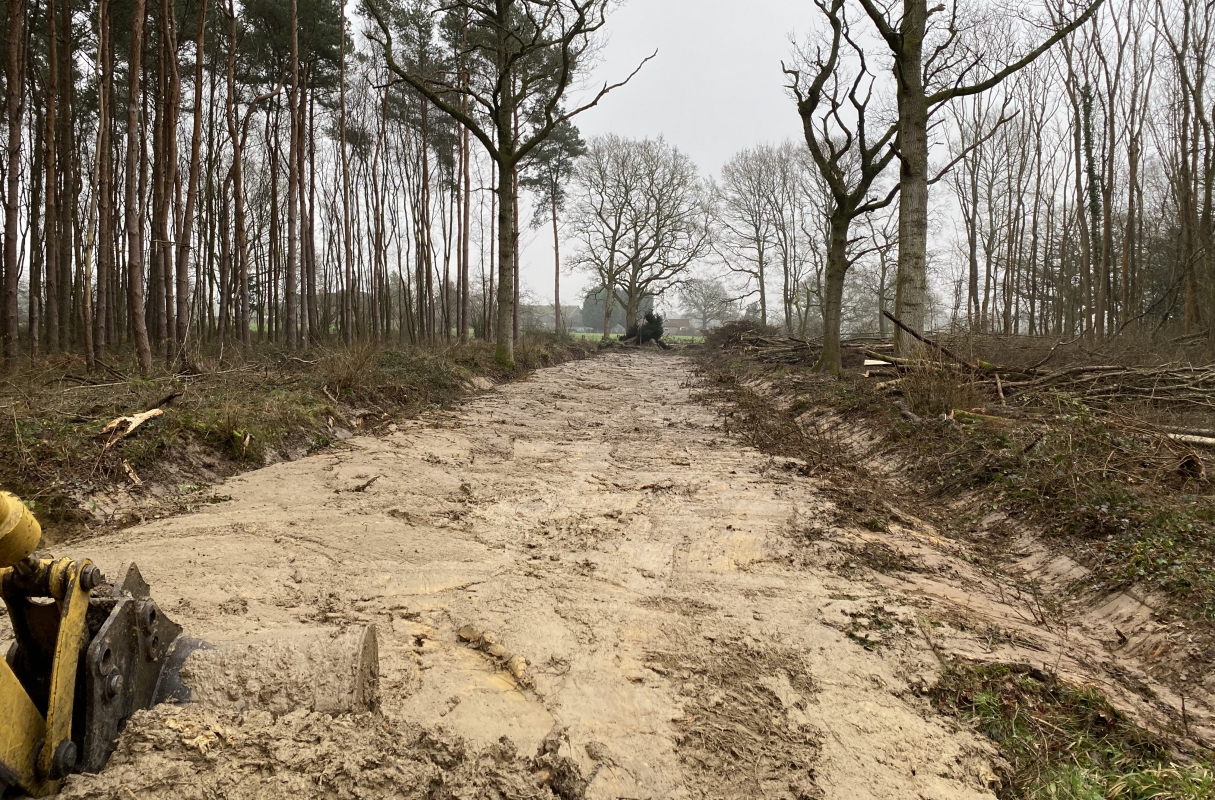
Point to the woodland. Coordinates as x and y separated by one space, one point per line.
205 174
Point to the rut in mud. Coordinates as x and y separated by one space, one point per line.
582 587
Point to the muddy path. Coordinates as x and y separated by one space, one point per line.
580 584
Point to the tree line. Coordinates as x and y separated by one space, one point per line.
190 173
187 173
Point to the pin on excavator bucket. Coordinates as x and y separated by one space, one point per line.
85 656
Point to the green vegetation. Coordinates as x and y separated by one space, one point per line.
1068 743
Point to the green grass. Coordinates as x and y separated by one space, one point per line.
1068 743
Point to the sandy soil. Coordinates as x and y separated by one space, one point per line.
581 586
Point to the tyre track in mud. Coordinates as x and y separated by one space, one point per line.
580 566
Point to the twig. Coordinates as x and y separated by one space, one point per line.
112 371
91 386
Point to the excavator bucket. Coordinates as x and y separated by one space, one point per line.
87 654
129 643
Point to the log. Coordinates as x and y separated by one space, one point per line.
1185 438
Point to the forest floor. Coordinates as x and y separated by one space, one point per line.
586 586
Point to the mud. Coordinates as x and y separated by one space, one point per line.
332 672
582 587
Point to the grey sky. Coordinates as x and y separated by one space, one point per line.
714 88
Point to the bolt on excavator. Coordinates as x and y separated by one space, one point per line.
88 653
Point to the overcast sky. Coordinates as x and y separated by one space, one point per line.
714 88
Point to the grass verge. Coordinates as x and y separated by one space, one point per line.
1067 743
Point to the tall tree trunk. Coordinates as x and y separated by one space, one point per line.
292 276
911 281
504 331
105 171
465 153
315 331
187 218
51 217
14 75
134 220
347 240
37 228
558 323
609 301
833 294
175 297
68 191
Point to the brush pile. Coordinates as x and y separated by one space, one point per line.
770 346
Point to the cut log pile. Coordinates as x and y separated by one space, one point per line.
793 350
1021 394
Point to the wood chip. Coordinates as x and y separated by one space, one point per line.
131 473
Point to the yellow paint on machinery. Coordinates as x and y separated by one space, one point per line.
19 531
36 752
89 660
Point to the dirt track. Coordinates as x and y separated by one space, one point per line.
680 636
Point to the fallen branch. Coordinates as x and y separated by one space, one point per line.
1185 438
125 426
919 337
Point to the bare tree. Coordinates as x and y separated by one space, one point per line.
746 234
523 56
668 223
547 175
707 299
923 86
604 179
835 111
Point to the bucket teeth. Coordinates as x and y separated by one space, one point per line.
124 663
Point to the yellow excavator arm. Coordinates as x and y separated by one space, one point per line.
81 662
